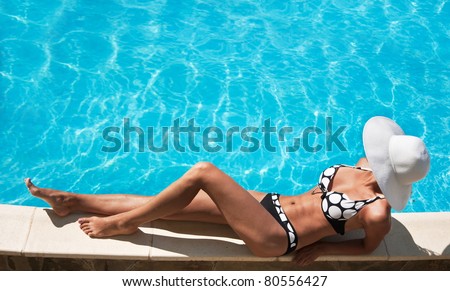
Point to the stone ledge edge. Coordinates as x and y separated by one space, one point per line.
438 218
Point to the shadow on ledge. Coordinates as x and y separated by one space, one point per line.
400 243
196 241
59 221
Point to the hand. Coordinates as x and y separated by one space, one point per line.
307 254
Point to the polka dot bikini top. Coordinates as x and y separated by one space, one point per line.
336 206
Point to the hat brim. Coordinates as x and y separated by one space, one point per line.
376 136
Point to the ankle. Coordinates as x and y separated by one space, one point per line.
127 223
70 201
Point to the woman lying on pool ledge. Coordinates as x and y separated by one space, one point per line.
270 224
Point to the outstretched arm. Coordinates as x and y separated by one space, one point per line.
376 228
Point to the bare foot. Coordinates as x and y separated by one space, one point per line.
60 201
105 226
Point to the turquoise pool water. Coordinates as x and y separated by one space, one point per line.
71 69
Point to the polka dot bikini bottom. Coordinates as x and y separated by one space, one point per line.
271 202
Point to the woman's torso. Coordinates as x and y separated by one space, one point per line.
306 214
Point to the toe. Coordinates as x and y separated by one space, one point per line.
85 227
83 220
28 182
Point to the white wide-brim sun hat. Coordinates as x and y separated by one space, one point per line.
397 160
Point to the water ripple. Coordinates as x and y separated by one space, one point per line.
70 69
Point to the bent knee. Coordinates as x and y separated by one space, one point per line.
204 166
205 169
200 171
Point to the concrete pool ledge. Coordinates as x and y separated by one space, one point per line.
31 232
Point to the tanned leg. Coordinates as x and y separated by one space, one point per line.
64 203
260 231
201 208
